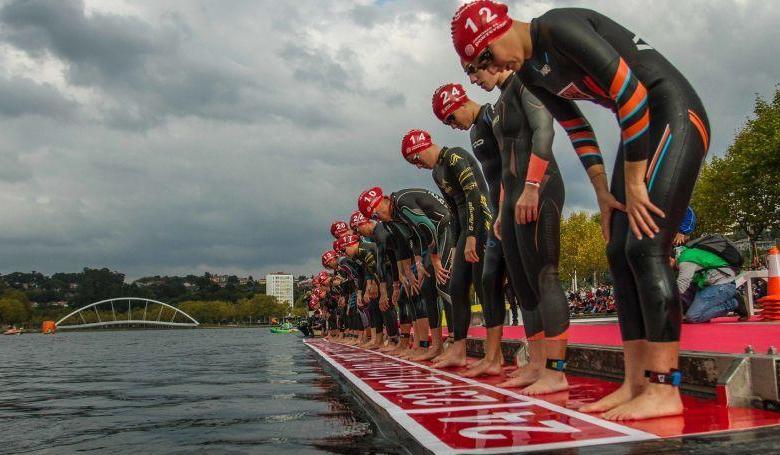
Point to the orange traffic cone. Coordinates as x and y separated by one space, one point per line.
770 305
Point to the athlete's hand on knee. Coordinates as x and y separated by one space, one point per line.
442 274
383 304
607 205
527 206
497 226
640 210
470 249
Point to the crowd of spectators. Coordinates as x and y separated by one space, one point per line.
594 300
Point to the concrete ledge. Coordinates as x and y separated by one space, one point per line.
703 372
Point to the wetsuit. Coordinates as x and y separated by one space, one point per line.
460 179
427 215
392 241
366 256
522 125
354 279
579 54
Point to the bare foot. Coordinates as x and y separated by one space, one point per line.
413 353
484 367
549 382
430 354
519 370
622 395
389 347
526 376
451 362
657 400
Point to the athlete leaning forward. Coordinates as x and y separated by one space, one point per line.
392 248
529 204
428 219
577 54
459 178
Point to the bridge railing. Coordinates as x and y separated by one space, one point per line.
131 311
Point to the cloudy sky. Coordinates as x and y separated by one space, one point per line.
188 136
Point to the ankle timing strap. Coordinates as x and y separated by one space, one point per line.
672 378
424 344
405 335
555 364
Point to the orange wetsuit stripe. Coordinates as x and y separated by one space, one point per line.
702 130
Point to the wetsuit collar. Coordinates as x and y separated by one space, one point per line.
534 32
442 158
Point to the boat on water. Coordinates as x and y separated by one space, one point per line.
284 328
13 331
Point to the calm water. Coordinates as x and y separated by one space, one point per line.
174 391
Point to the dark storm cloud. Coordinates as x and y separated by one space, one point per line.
148 71
183 136
22 96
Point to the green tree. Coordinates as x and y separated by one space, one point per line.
740 192
582 248
14 308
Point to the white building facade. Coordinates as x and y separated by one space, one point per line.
280 286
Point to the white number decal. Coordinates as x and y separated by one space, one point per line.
405 383
445 97
506 418
489 16
470 24
468 396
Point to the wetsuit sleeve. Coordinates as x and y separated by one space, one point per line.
461 167
542 134
577 127
422 226
577 39
402 243
370 265
381 256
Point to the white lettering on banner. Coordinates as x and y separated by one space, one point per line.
447 396
405 383
550 426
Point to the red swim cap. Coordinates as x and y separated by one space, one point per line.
323 275
329 256
347 240
319 293
356 220
447 99
369 200
477 24
338 228
415 141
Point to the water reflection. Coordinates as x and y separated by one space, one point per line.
171 391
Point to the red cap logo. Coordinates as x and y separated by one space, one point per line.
338 228
329 256
476 25
413 142
323 276
447 99
369 200
347 240
356 220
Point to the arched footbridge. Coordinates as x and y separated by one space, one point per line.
126 311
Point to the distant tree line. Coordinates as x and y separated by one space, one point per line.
29 298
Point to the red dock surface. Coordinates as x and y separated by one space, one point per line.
724 335
449 414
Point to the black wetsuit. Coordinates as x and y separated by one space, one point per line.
427 215
579 54
354 279
366 256
460 179
485 148
522 124
387 257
